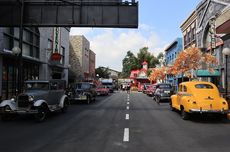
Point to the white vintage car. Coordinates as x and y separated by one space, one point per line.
39 98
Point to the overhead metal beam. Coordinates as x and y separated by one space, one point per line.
72 13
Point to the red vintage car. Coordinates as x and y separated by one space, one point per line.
102 90
151 89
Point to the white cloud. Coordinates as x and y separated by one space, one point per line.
111 45
80 31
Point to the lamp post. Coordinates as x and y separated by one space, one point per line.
17 51
20 46
226 52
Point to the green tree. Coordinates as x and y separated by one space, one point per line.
102 72
129 63
160 55
145 55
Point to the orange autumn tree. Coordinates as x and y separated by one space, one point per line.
191 59
158 74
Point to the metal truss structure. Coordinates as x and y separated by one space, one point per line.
69 13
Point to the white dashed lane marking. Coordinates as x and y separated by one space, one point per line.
127 107
126 135
127 116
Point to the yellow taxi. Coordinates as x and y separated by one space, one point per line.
198 97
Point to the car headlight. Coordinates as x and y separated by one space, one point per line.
31 98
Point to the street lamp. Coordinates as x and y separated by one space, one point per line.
226 52
17 52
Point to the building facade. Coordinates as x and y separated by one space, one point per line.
82 59
171 53
188 29
38 46
208 40
92 61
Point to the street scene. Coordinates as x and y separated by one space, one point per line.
101 126
114 76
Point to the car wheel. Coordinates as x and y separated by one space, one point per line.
184 115
42 113
65 106
6 117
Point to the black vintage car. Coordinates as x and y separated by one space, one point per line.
163 92
39 98
83 91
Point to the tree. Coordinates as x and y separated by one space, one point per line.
145 55
158 74
129 63
191 59
102 72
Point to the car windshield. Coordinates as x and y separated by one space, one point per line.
165 86
37 86
203 86
82 86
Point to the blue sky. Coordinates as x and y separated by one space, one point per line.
159 25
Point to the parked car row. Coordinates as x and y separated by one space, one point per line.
192 97
41 97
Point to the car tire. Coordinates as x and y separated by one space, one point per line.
6 117
184 114
42 113
65 106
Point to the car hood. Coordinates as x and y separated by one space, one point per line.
37 94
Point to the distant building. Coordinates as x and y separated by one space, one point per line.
82 59
188 29
92 61
171 53
139 76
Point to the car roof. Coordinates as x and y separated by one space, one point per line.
37 81
195 82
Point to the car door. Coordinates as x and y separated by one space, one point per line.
53 93
179 95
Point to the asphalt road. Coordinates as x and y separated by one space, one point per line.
116 123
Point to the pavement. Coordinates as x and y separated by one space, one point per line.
119 122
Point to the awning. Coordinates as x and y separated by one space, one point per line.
207 73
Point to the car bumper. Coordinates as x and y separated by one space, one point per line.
79 98
208 111
19 111
165 97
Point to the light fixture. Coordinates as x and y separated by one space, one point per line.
226 51
16 50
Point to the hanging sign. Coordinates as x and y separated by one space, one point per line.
56 56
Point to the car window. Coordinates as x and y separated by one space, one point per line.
83 86
185 89
53 86
180 88
203 86
165 86
37 86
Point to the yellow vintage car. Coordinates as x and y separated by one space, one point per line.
198 97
